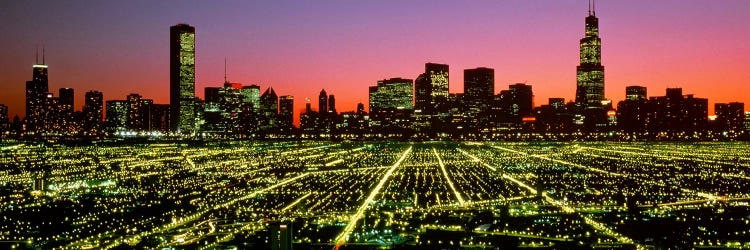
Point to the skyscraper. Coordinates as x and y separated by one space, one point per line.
36 95
730 117
590 72
182 78
635 93
286 111
92 112
323 102
269 109
431 88
251 95
117 115
332 104
3 117
67 99
391 104
479 88
522 99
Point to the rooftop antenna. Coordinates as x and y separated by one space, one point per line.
225 69
43 56
589 7
37 54
594 6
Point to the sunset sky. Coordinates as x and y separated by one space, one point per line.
300 47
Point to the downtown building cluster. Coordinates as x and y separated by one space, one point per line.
399 108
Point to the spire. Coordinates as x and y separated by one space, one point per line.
594 6
225 69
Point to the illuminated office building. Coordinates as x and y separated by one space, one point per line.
117 115
590 72
182 78
92 112
730 117
391 104
479 88
635 93
431 88
36 94
251 95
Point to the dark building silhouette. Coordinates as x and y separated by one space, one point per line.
677 114
117 115
67 99
323 102
281 234
159 119
93 108
730 117
522 100
269 107
182 78
4 122
479 87
633 112
286 113
556 117
332 105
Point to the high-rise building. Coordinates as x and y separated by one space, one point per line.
251 95
523 99
394 93
4 122
632 113
286 111
730 117
67 99
117 115
635 93
332 104
391 104
230 107
281 235
92 112
431 88
323 102
590 72
360 108
182 78
269 110
676 113
479 88
135 119
36 94
159 119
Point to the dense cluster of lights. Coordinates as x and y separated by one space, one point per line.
449 194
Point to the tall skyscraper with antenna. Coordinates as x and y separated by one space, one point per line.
36 94
590 72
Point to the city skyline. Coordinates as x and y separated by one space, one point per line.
356 90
